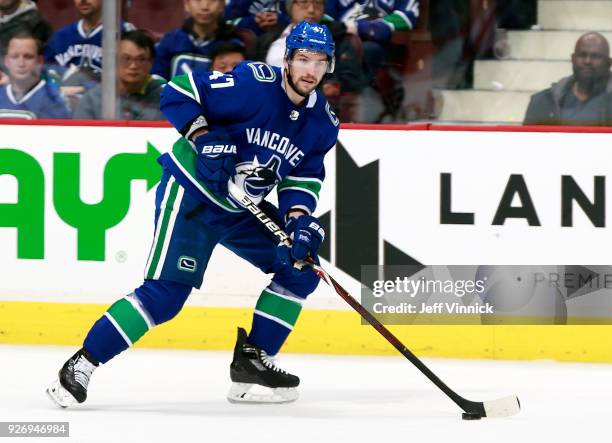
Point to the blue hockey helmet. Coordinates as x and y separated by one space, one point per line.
312 37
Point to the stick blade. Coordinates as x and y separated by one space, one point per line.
502 407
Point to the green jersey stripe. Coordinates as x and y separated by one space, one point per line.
185 158
128 319
294 299
118 328
158 225
163 221
168 232
182 83
399 21
141 310
312 186
194 88
182 91
299 188
157 228
304 179
280 308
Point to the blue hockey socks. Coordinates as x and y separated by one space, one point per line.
128 319
276 313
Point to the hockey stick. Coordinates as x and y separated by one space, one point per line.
502 407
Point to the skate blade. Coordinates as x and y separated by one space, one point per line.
60 396
257 394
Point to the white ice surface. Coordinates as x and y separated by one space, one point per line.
179 396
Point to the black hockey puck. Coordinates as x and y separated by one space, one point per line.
471 416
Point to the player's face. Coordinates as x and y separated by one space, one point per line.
22 59
226 62
307 70
309 10
134 63
88 8
204 12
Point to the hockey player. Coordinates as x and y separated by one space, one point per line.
261 127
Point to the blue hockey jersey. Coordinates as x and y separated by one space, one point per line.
400 15
278 143
72 46
181 52
42 101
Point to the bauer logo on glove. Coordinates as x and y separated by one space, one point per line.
216 161
318 228
214 150
307 235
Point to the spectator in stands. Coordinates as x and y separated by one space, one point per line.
256 15
226 56
584 98
348 76
139 92
375 22
27 95
74 53
18 16
188 48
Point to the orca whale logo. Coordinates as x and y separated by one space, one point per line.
257 179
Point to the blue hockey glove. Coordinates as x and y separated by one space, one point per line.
377 30
216 161
307 235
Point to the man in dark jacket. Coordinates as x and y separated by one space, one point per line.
584 98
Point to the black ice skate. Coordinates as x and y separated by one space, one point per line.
256 378
71 385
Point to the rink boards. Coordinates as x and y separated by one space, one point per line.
76 224
317 331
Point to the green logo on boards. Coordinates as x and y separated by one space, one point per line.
90 220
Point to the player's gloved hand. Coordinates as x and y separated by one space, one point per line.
377 30
216 161
307 235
